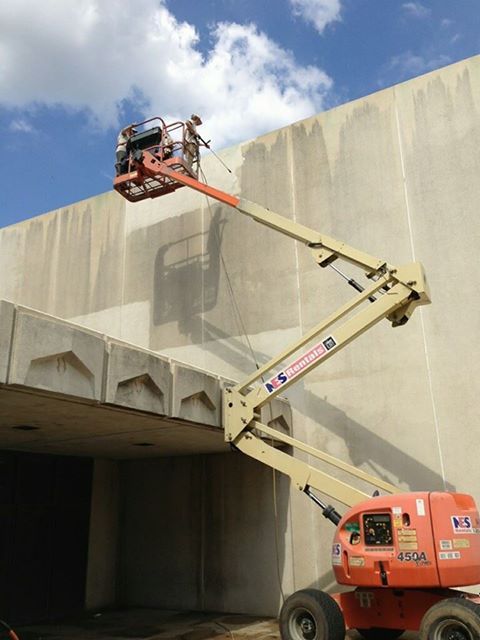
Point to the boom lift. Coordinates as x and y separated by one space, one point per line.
403 553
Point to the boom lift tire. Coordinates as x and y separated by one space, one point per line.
380 633
452 618
311 614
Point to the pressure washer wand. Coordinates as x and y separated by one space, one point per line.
216 156
11 633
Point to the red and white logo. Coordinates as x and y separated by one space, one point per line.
336 554
300 364
462 524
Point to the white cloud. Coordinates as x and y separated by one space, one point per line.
319 12
21 125
93 54
416 10
409 64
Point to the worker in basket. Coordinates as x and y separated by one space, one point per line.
168 145
121 165
192 143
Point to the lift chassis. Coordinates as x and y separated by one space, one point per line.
402 553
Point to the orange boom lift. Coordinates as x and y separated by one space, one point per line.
402 554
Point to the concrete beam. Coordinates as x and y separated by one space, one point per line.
278 415
69 390
196 394
56 356
138 379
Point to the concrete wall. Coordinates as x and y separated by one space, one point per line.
205 535
395 174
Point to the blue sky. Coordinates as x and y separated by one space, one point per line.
73 71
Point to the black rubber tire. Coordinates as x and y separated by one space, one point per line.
380 633
311 615
452 618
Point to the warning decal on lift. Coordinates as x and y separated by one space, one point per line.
407 539
420 507
397 517
356 561
461 543
449 555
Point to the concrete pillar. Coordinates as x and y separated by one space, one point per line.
101 589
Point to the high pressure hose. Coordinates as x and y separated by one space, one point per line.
11 633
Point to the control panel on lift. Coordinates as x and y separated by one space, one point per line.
427 539
377 529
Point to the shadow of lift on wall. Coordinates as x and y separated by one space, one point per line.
190 266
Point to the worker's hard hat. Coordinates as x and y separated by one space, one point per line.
196 118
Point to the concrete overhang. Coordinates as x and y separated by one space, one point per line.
68 390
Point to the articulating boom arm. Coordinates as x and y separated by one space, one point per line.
393 294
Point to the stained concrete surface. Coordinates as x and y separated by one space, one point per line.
151 624
394 174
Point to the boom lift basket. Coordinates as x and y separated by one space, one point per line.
168 144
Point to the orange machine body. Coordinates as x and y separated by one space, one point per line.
364 608
411 540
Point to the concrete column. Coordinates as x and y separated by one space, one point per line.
101 589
